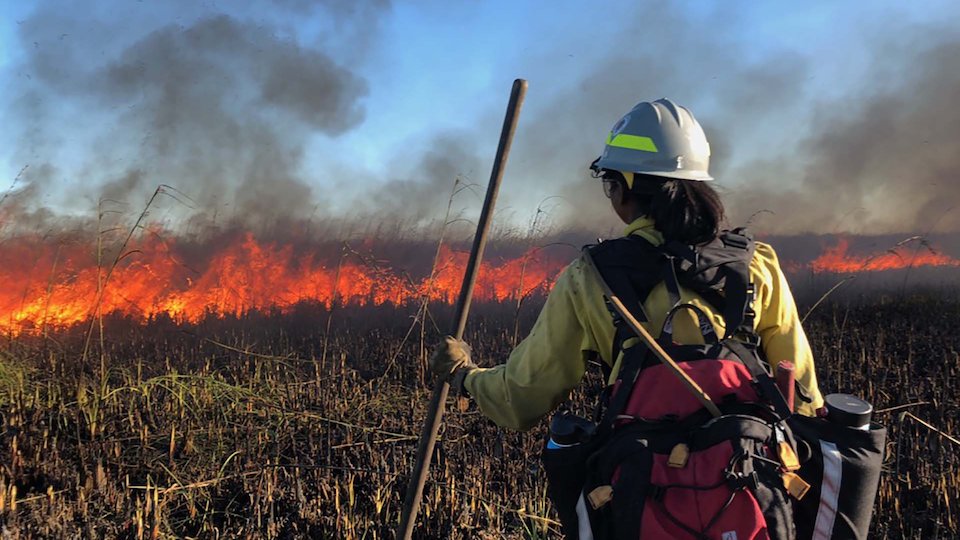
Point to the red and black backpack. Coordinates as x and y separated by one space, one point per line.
659 465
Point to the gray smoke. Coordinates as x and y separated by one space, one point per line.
449 164
699 64
880 157
884 161
221 107
226 106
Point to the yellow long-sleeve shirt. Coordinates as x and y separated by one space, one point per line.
575 324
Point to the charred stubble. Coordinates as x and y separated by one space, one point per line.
235 427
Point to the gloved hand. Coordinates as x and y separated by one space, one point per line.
451 360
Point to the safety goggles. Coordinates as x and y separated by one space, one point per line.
608 185
607 176
610 179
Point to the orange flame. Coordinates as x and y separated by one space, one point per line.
58 287
837 260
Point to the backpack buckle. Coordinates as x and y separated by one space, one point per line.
737 481
749 314
617 318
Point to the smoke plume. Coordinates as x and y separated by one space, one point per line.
880 162
222 107
229 108
879 157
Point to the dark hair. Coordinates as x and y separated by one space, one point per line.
687 211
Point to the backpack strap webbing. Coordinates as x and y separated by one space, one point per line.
718 271
629 265
630 368
638 329
739 313
749 356
720 265
725 262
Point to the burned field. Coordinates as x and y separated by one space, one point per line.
243 353
304 423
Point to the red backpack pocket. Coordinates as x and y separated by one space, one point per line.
712 482
658 393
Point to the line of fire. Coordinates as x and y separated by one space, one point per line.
55 283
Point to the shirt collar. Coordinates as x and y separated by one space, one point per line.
643 226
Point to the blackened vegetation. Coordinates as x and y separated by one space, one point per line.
243 428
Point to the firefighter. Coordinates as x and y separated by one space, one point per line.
654 169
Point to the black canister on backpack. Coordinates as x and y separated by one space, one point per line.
849 411
569 443
567 429
843 469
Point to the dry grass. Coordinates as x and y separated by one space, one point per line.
238 428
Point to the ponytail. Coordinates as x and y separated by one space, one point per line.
686 211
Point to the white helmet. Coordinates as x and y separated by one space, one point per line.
657 138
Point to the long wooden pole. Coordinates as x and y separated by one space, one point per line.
431 425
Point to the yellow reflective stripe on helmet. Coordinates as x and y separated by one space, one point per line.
631 142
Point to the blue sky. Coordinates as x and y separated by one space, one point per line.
431 79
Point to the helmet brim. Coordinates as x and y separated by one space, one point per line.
679 174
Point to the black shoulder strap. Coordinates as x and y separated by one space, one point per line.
749 356
738 314
720 273
631 267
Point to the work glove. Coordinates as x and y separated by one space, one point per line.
451 360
